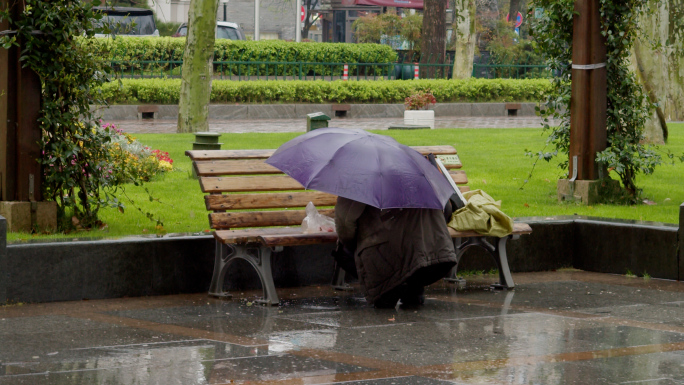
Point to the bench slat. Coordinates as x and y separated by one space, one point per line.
293 236
261 218
253 235
245 167
235 167
197 155
268 200
210 184
249 183
298 239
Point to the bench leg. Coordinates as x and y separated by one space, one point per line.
259 257
452 276
221 261
338 279
497 252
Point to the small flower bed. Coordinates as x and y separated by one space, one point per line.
131 160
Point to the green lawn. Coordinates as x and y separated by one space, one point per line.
493 159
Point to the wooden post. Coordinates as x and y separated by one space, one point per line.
588 99
8 118
20 172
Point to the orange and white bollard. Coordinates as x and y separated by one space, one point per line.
345 72
415 71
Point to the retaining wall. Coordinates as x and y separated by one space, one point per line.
297 111
140 266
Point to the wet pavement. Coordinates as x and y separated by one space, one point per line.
567 327
299 125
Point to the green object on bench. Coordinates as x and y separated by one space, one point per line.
257 210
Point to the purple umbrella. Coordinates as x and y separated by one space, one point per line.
372 169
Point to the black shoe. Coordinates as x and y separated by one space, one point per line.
388 300
414 296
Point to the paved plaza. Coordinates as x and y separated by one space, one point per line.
567 327
299 125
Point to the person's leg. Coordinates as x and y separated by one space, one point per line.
389 299
415 284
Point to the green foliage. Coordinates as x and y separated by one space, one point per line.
73 147
628 106
166 91
506 47
374 28
80 159
125 50
166 29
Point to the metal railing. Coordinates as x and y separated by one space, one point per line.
292 70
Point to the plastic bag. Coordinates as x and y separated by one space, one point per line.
314 222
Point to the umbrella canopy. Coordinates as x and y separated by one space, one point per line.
372 169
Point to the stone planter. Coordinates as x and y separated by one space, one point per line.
420 118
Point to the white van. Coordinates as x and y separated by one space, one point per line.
224 30
128 21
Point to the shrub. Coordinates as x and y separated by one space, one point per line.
167 52
166 91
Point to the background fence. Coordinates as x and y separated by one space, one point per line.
286 70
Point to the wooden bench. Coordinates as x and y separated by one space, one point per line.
256 210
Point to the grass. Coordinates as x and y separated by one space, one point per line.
493 159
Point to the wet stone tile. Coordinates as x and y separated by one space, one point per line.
126 356
671 313
24 346
648 369
520 335
277 367
408 380
574 295
368 316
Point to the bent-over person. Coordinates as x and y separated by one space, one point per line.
397 251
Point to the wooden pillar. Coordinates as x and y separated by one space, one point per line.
20 133
588 99
8 118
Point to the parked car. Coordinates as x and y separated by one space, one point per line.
224 30
128 21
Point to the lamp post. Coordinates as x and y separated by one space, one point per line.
298 21
256 19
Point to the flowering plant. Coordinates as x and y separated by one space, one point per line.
420 100
133 162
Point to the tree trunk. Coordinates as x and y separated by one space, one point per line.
513 12
433 47
466 36
661 70
310 5
197 71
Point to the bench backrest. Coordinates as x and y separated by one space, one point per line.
244 191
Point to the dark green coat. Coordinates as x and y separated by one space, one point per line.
391 245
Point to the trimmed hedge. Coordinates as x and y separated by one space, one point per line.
166 91
126 50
